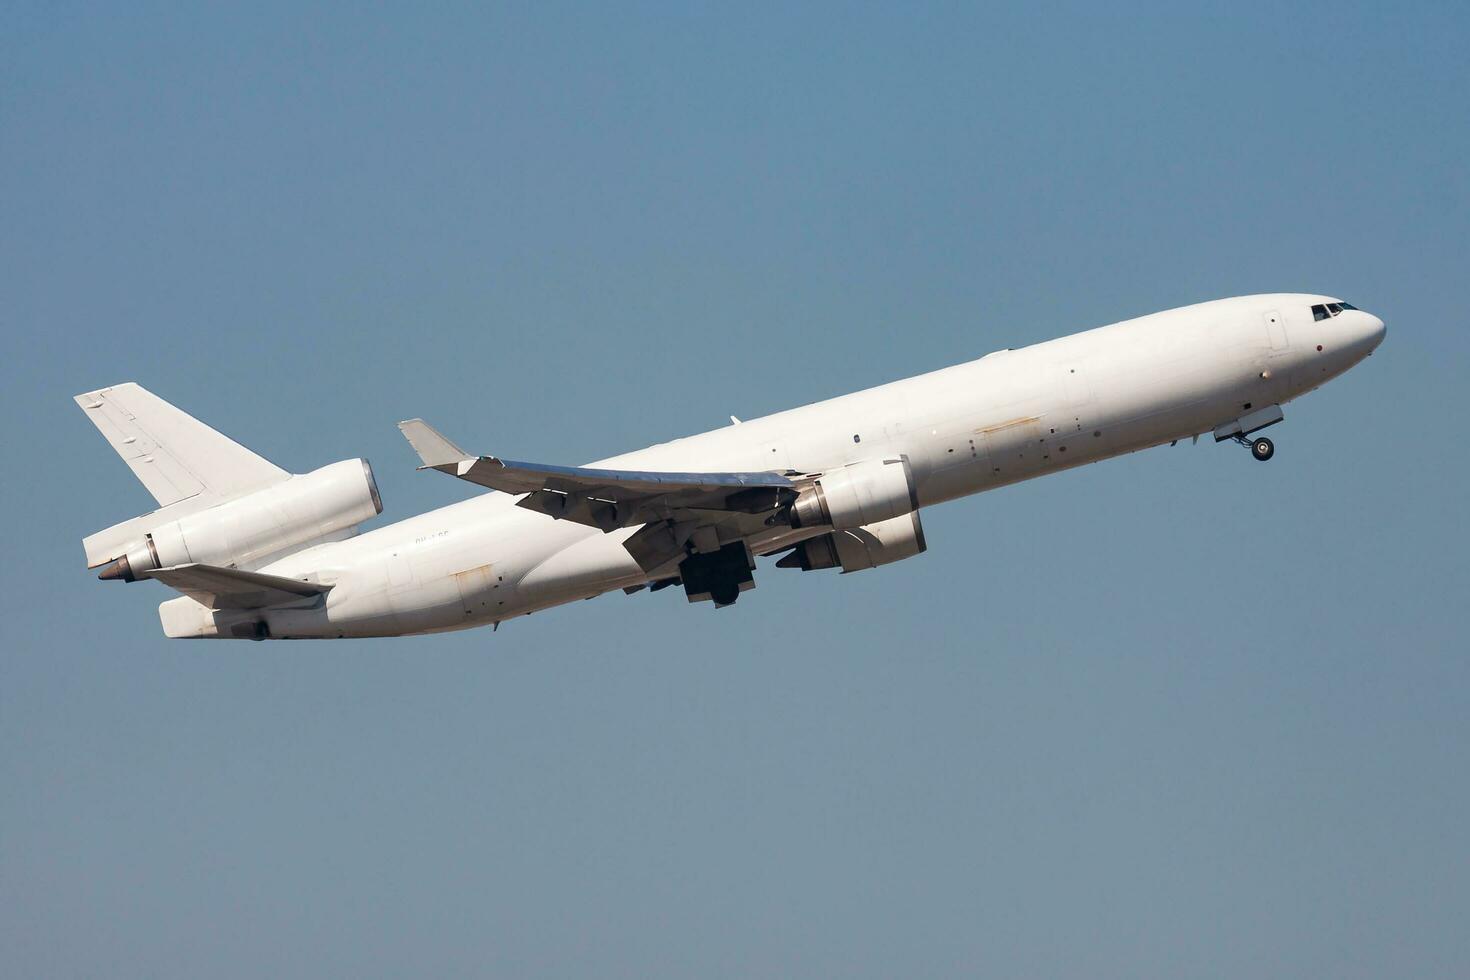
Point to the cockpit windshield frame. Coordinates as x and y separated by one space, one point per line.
1321 311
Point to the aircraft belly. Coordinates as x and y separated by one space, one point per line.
596 563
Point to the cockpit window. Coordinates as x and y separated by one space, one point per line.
1324 310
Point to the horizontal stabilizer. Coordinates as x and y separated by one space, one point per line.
230 588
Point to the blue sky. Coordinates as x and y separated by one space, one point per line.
1178 713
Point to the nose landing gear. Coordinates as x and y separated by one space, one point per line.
1244 427
1261 448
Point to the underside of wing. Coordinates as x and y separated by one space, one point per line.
230 588
603 498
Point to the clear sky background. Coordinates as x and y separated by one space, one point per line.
1177 714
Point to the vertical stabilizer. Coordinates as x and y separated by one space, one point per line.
174 455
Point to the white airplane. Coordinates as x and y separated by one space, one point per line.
260 553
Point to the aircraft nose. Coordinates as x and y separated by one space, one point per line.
1376 331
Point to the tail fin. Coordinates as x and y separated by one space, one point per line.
173 454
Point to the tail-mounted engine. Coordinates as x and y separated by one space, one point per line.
294 513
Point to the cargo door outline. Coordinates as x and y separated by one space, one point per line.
951 458
478 589
1013 447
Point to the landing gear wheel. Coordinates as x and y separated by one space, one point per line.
725 593
1263 449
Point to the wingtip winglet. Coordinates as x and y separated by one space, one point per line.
432 447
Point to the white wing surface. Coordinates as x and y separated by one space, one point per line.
605 499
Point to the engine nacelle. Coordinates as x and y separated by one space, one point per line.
858 495
855 549
297 512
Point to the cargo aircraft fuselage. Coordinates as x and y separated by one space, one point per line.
260 553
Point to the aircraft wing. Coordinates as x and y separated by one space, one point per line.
230 588
605 499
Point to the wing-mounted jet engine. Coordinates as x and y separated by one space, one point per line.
699 524
857 548
856 495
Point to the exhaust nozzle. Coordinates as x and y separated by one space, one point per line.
120 569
